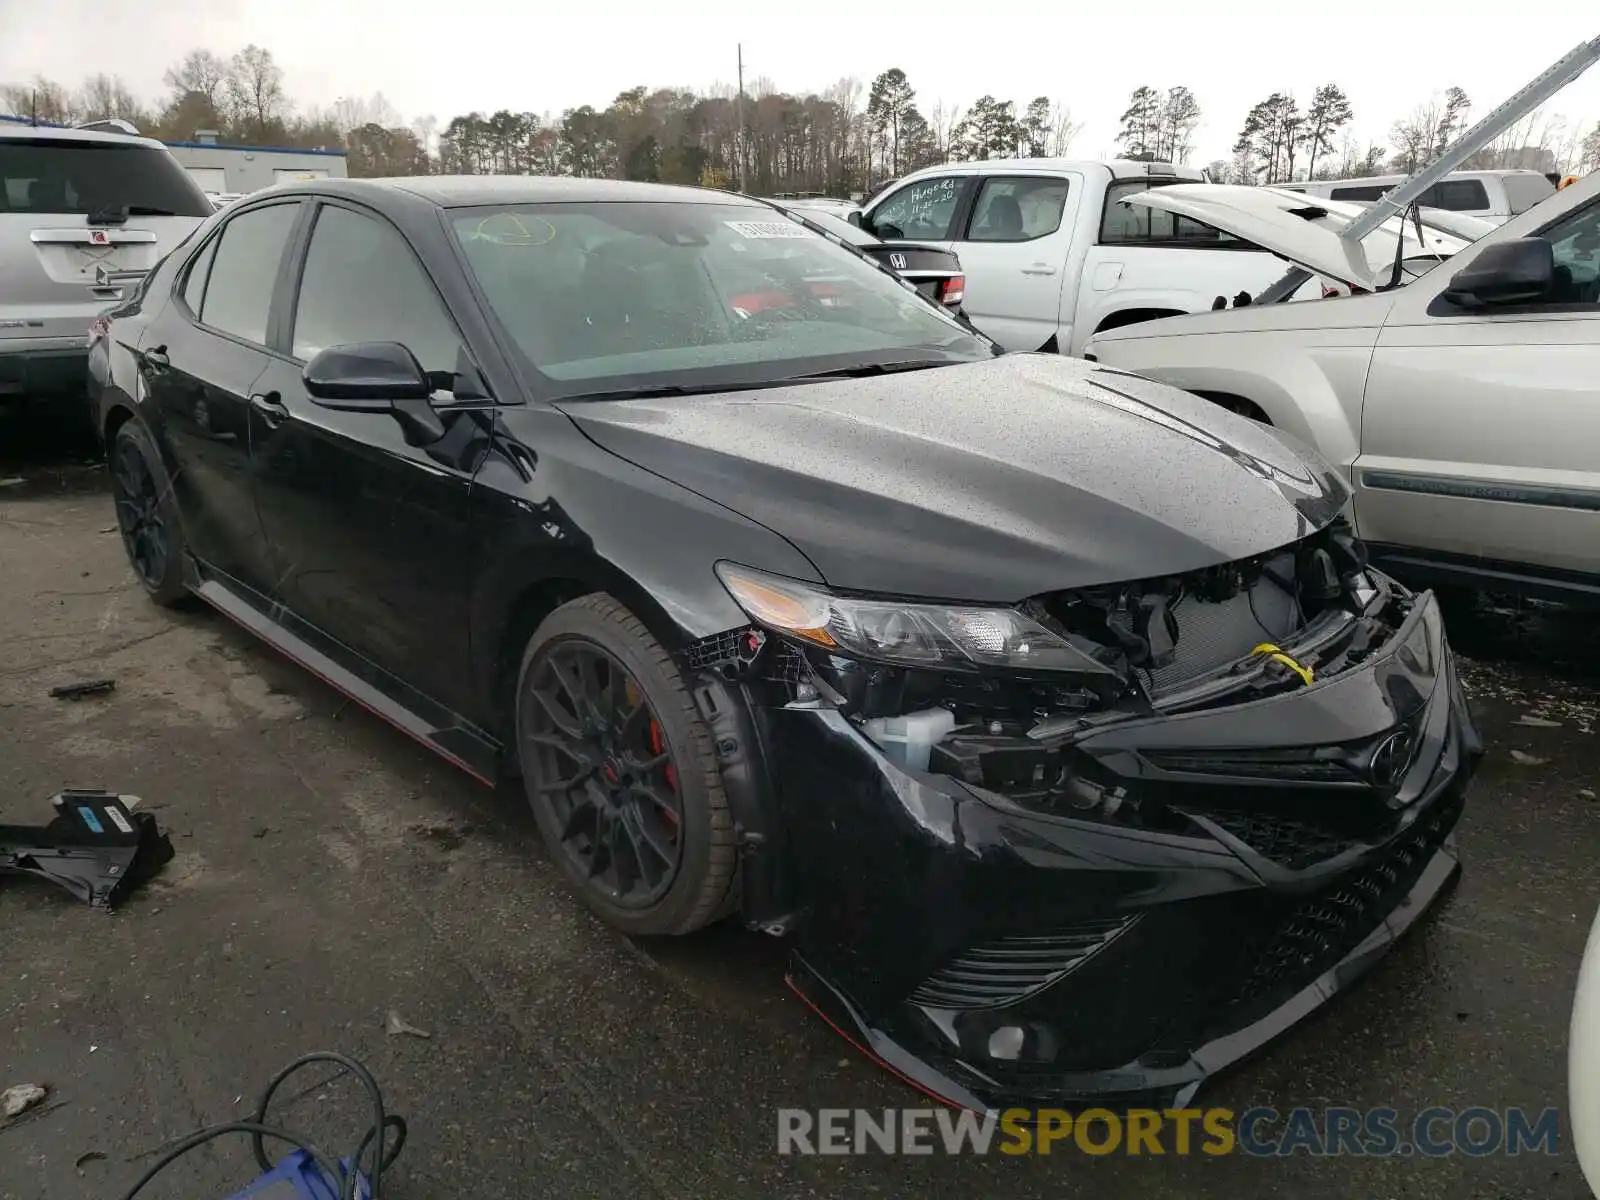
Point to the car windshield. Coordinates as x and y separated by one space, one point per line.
612 296
62 176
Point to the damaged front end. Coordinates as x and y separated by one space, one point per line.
1099 845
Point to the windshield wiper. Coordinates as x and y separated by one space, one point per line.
651 391
867 369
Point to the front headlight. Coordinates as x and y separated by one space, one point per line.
931 636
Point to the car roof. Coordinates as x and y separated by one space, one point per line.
11 131
466 191
1120 168
1499 173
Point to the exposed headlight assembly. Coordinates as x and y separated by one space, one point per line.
930 636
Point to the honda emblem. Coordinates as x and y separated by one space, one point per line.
897 261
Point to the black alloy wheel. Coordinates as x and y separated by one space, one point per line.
620 773
146 514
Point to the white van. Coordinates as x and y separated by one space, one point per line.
1493 196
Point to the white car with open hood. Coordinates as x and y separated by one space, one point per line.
1583 1063
1462 406
1306 231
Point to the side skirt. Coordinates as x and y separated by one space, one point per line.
446 733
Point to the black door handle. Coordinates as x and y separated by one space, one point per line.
270 406
155 358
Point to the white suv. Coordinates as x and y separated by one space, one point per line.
1464 406
82 213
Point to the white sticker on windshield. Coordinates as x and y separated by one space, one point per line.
769 229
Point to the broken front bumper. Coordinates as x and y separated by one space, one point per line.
996 956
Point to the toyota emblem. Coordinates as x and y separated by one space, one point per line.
1390 759
897 261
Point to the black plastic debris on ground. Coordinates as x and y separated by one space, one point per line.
96 847
89 687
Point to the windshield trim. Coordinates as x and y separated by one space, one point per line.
547 389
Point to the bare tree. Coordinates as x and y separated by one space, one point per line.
942 120
255 91
1176 121
1063 132
104 96
1530 144
352 112
1589 150
203 72
41 100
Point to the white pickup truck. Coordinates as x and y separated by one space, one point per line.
1051 257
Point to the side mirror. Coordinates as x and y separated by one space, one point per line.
1513 272
855 218
376 377
365 375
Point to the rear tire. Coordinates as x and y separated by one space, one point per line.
621 772
147 514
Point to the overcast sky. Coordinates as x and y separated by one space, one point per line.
443 59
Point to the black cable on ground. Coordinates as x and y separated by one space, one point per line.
258 1129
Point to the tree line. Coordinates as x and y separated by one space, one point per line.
839 141
843 139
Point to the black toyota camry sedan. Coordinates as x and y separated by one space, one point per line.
1054 715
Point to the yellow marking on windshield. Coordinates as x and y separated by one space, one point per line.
518 235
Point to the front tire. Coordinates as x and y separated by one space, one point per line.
621 772
147 514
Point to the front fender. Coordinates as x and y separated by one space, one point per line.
554 515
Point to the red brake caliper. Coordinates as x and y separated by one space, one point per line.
657 747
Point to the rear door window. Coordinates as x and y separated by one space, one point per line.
1018 208
1131 225
60 176
244 271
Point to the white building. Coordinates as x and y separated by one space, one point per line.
233 170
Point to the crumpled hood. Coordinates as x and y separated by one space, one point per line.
991 481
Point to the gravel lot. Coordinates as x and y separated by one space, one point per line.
329 872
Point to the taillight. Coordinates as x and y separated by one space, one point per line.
99 328
955 290
1329 293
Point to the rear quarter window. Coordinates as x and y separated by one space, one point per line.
1457 195
1360 193
62 176
1524 191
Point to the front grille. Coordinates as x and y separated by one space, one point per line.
1294 765
1013 968
1185 973
1288 842
1322 929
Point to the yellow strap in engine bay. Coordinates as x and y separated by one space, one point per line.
1276 654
